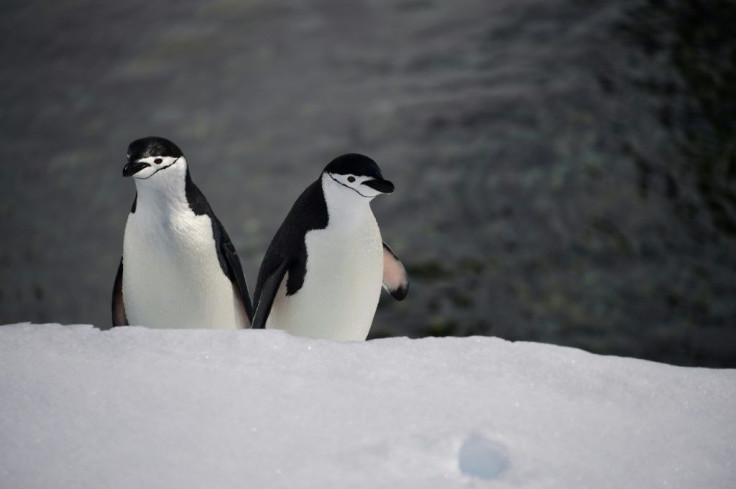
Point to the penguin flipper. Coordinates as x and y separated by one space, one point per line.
118 308
236 273
395 279
268 294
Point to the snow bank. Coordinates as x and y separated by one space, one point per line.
173 409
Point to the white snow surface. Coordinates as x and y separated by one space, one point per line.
136 407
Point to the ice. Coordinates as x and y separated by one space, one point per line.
134 407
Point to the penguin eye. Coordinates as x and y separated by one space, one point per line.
158 161
351 179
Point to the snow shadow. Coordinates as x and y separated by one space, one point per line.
482 458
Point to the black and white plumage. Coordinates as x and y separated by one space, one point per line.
179 268
322 274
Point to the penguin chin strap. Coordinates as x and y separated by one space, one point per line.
338 181
162 169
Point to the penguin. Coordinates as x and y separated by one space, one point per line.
179 268
322 273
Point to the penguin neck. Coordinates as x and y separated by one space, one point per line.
164 193
346 208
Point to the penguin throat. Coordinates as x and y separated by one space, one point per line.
165 194
345 206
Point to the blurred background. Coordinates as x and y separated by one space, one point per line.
564 168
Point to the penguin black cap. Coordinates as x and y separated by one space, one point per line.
152 146
357 164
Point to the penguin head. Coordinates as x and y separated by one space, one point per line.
358 175
150 156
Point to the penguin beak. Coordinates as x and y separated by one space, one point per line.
383 186
133 167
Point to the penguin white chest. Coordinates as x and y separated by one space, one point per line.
172 276
342 284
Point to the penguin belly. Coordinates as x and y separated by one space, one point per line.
172 277
341 288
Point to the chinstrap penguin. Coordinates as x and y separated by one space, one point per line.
321 276
179 268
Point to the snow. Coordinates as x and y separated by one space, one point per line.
134 407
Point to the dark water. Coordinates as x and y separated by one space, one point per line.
564 169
